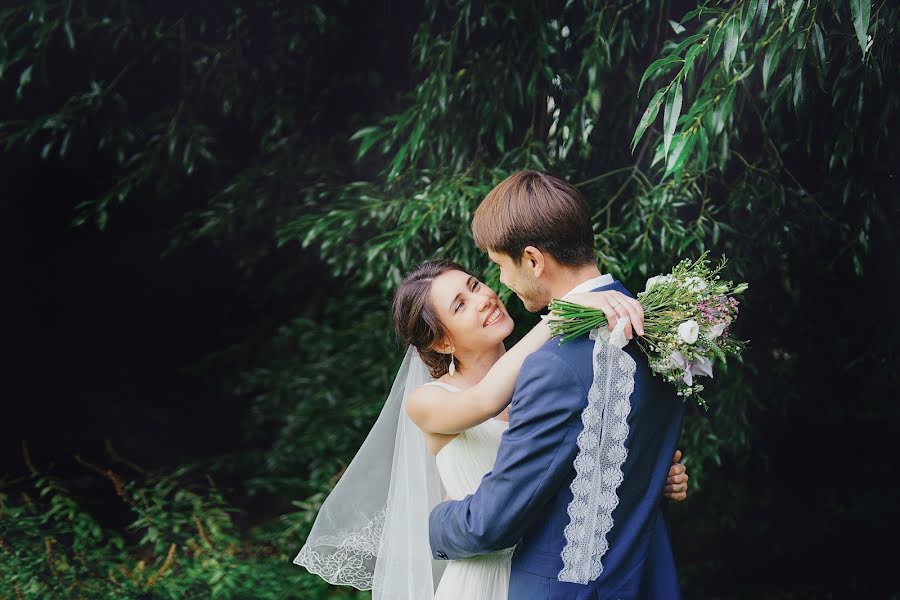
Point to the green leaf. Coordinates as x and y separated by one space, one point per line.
723 157
364 132
761 11
24 80
692 39
648 117
703 156
680 153
749 12
676 27
782 87
70 37
859 101
819 42
732 38
700 11
416 137
770 62
369 136
798 83
398 161
745 73
795 12
717 38
690 56
722 112
657 155
860 10
671 114
657 67
65 143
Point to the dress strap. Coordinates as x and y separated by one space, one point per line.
446 386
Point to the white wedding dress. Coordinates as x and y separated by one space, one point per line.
462 462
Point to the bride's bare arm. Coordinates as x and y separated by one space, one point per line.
437 410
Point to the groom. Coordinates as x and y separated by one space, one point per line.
537 228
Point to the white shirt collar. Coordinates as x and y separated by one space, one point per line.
590 284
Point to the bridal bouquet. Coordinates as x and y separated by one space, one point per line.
687 315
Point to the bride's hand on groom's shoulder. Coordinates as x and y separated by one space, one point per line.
677 480
615 305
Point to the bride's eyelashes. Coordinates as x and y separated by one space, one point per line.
475 285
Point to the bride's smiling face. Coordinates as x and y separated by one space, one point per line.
470 311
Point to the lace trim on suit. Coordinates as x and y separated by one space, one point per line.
598 465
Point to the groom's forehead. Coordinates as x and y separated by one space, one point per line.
498 257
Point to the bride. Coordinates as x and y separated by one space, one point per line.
436 437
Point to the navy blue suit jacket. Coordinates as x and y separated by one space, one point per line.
523 500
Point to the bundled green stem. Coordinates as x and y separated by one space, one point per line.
574 320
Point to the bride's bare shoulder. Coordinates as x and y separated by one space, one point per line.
427 401
421 402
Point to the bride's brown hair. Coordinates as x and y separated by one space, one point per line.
415 319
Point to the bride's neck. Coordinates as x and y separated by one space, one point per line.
476 365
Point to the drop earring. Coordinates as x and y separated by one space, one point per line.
452 369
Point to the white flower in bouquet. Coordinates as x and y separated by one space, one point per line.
716 330
656 280
689 331
664 364
695 284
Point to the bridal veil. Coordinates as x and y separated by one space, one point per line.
372 530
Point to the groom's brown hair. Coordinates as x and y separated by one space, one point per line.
530 208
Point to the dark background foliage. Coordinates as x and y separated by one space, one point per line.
206 207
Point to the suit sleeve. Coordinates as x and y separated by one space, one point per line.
534 458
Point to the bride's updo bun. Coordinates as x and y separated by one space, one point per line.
415 319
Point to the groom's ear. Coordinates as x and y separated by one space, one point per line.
534 260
